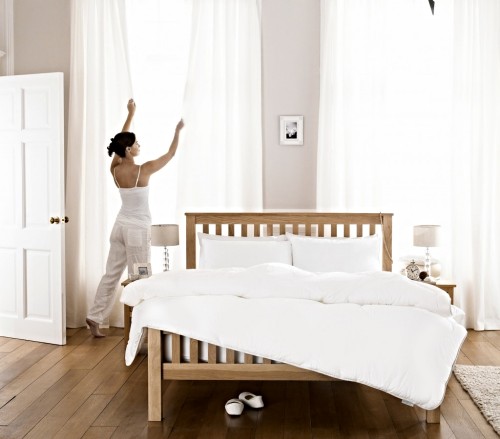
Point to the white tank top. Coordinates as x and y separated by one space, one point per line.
135 205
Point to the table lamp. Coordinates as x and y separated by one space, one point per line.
426 236
165 235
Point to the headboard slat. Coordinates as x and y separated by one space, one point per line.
256 230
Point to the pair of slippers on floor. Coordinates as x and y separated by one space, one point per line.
234 406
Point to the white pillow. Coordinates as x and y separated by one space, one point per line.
349 255
243 253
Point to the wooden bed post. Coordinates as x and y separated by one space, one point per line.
155 393
433 416
386 220
190 241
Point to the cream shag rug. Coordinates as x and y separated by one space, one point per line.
483 385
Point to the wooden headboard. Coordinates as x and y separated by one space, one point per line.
277 223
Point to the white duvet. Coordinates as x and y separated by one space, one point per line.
375 328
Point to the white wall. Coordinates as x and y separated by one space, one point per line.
290 80
42 40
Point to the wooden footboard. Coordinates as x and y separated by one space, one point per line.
194 369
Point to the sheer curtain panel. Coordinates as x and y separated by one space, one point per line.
476 160
220 161
99 90
158 33
383 139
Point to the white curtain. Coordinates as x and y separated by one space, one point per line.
159 46
99 90
384 113
476 160
220 160
408 108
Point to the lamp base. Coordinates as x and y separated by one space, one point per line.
427 263
166 260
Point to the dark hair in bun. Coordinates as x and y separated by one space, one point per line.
120 143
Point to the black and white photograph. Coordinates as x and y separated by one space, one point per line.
291 130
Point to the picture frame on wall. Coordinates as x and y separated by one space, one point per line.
291 130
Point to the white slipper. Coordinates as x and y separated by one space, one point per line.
234 407
254 401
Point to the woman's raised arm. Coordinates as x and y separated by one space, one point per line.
155 165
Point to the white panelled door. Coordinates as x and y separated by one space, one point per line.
32 283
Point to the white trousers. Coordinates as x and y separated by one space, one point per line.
129 244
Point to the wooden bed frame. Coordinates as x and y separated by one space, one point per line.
252 224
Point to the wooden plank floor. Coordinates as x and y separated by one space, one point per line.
84 390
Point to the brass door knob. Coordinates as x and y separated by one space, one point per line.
65 219
54 220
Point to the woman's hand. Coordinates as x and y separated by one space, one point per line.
131 111
179 126
131 106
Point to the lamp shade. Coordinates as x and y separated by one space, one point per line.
426 236
164 235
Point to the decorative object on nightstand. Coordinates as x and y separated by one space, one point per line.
403 261
165 235
141 271
412 271
427 236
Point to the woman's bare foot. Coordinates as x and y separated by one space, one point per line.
94 329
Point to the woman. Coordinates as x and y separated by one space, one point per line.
130 237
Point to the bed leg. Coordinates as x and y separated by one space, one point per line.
433 416
127 310
154 375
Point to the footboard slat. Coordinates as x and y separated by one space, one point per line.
229 356
176 348
248 359
193 351
212 354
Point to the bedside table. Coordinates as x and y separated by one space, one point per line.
447 286
127 314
